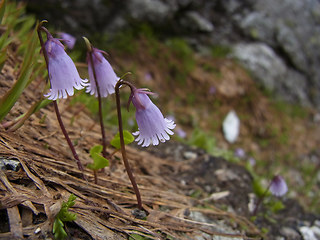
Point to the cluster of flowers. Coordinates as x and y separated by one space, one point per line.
64 77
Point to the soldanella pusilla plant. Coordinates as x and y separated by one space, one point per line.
64 79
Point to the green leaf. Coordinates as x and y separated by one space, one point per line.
34 108
258 188
58 230
127 136
98 162
202 139
96 149
3 58
71 201
64 216
276 206
2 9
42 104
27 68
135 236
5 40
27 24
67 216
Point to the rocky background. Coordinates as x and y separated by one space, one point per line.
276 41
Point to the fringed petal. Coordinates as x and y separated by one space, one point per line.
105 76
146 142
63 73
136 133
155 140
165 135
153 127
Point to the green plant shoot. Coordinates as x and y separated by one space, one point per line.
258 189
128 138
2 9
27 68
64 216
135 236
99 162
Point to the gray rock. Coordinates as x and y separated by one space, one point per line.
285 37
272 72
307 233
287 32
235 6
9 164
215 225
262 61
152 10
291 29
257 26
289 233
296 84
190 155
194 21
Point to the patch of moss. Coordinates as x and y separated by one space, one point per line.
220 51
184 53
293 110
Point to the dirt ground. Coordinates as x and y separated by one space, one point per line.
186 193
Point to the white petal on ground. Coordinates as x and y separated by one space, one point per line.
231 127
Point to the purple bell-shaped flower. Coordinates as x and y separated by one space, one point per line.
63 73
278 186
105 75
69 40
153 127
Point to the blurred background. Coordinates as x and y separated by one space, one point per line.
256 59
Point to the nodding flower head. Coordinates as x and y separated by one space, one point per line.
278 186
106 77
69 40
153 127
240 153
63 73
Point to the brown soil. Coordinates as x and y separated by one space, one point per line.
48 174
283 138
167 177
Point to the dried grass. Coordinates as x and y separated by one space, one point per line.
48 175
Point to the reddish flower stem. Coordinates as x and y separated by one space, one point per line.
123 150
95 175
64 131
104 144
254 213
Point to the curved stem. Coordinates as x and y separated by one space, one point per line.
104 144
64 131
40 28
254 213
123 150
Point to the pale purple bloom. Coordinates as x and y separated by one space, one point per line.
131 122
69 40
278 186
181 133
63 73
106 77
212 90
148 76
153 127
252 161
240 153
